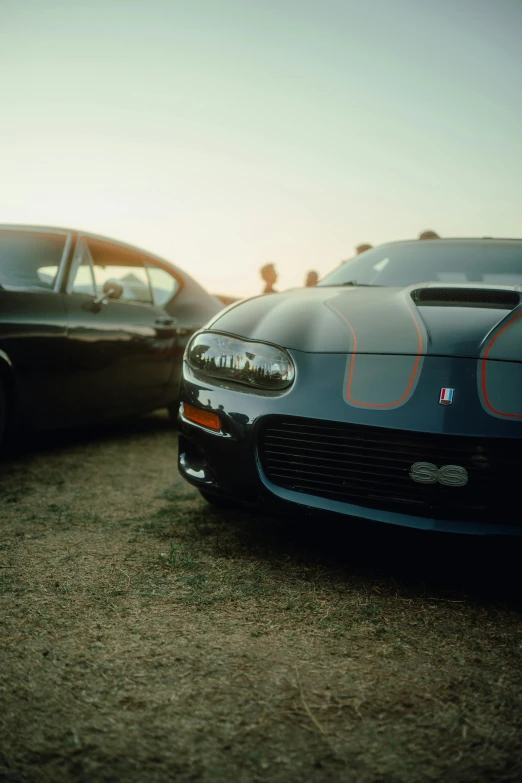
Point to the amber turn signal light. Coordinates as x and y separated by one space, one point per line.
206 419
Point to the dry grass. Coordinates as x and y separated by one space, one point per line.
147 637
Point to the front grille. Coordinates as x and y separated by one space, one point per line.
370 466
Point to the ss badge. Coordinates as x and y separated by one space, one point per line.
428 473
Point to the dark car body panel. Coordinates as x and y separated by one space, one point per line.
228 462
64 359
33 342
379 320
116 357
372 362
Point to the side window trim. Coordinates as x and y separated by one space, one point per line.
81 253
149 282
151 263
140 266
62 267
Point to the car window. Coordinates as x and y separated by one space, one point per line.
83 280
126 267
47 274
30 258
82 277
134 281
445 261
163 285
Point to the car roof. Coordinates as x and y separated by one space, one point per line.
66 230
91 235
455 240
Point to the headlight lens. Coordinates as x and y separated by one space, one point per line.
232 359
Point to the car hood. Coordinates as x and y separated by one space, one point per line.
426 319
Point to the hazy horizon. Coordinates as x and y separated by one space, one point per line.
223 135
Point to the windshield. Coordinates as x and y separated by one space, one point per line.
409 263
30 259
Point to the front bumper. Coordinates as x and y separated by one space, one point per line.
229 463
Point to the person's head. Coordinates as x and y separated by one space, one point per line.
312 279
269 274
363 248
429 235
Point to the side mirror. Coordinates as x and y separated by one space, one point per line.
111 290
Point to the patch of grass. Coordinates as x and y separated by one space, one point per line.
14 494
10 585
178 557
7 583
147 637
177 493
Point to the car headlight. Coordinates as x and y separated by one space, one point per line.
255 364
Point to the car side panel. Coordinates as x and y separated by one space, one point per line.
120 356
33 336
192 307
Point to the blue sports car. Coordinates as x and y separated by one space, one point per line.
390 392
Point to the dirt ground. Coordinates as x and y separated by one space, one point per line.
147 637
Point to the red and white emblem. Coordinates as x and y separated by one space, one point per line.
446 396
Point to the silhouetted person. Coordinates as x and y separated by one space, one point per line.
429 235
312 278
269 275
363 248
358 250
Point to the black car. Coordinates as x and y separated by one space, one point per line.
390 392
90 328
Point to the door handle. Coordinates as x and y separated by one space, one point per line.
165 321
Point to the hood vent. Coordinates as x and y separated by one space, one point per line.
466 297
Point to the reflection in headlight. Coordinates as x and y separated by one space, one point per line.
255 364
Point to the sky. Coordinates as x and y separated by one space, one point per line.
224 134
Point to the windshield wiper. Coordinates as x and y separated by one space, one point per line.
358 285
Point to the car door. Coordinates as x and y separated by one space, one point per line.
121 345
190 305
33 321
165 286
